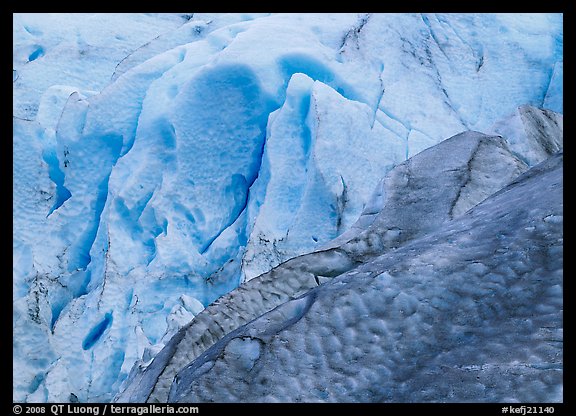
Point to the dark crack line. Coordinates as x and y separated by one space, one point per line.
466 181
426 21
341 200
354 32
448 100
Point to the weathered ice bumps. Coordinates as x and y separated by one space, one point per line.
419 195
470 312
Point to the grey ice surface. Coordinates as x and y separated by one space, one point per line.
469 312
533 133
419 195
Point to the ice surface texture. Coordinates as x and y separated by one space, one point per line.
161 160
470 312
418 196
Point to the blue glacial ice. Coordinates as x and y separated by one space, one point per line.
161 160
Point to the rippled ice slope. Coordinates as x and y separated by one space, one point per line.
415 200
162 159
470 312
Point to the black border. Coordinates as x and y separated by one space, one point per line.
548 6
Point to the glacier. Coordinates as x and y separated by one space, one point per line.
160 161
476 302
